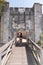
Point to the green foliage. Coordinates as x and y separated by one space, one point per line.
39 43
1 5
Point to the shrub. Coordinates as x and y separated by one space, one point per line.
39 42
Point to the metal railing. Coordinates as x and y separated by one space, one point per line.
5 52
36 51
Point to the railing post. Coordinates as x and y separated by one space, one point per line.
37 52
0 58
41 57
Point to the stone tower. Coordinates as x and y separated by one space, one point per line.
37 20
5 24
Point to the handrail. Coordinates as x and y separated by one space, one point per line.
35 44
36 51
5 52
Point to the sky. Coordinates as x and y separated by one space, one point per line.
24 3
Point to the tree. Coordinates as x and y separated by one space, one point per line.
1 6
1 12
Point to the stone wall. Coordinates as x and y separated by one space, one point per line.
37 20
31 19
0 28
5 24
42 23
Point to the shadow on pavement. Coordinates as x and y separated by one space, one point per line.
30 58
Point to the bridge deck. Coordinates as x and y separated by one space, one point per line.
21 56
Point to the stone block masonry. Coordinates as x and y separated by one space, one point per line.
31 18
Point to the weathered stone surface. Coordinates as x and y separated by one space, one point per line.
38 19
5 26
31 18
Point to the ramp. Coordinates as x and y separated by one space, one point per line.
21 56
18 57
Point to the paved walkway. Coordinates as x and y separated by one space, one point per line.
18 57
21 56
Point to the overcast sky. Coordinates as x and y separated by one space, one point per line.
24 3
